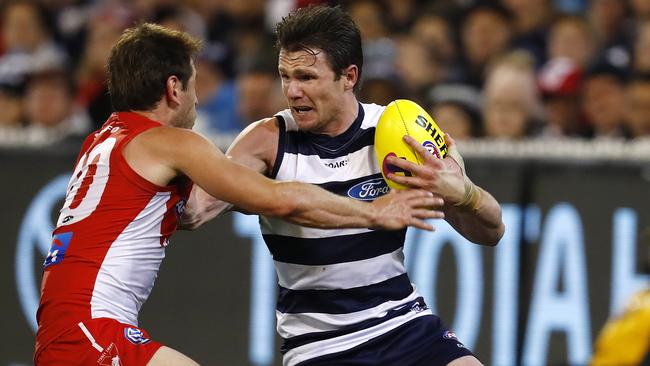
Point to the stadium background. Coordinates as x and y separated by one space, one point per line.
558 133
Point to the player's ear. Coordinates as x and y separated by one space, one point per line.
350 77
173 87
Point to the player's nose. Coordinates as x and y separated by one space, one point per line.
294 90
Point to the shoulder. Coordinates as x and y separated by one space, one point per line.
262 129
257 142
168 143
371 112
168 137
160 154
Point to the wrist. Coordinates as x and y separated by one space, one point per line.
372 215
471 200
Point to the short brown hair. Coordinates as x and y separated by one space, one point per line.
141 62
327 28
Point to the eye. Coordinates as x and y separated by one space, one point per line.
306 77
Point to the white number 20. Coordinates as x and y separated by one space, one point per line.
87 183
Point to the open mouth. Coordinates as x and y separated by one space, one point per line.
302 109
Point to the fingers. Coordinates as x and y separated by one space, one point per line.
407 181
420 215
421 199
410 194
420 224
452 152
428 214
413 207
427 202
405 165
449 141
424 153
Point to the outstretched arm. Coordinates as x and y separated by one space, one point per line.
255 148
301 203
471 210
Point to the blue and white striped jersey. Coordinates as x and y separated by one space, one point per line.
343 287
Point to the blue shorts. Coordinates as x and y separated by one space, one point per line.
423 341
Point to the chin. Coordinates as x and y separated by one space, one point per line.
305 123
309 126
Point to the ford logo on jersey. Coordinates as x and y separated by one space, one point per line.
57 251
369 190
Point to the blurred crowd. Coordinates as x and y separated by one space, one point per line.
507 69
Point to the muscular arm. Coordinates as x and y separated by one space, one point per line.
176 151
469 209
255 148
477 216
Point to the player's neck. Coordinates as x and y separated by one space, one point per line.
158 114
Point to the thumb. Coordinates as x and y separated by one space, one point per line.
451 143
452 152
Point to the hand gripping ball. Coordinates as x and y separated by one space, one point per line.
404 117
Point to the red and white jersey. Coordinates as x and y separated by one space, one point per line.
110 237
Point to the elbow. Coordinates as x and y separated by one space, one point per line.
494 231
495 235
487 236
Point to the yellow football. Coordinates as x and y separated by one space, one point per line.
404 117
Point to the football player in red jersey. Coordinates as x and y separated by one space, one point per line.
128 190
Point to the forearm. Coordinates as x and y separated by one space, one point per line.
481 224
312 206
300 203
201 208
